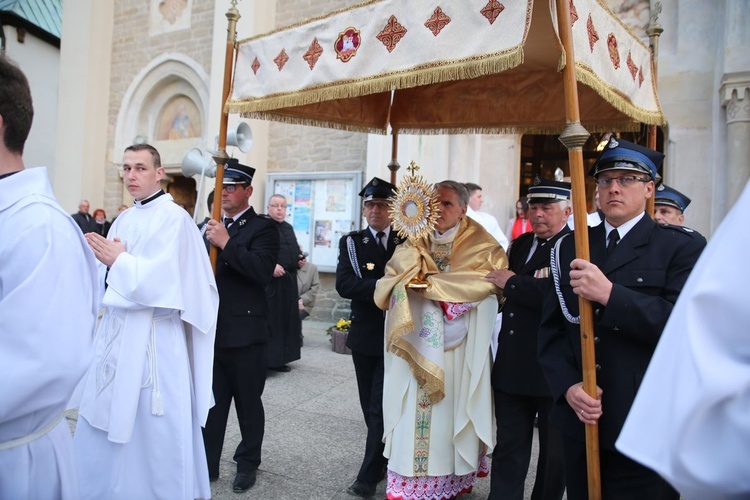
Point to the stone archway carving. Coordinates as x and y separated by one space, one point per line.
165 105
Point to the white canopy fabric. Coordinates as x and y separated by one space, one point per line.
456 67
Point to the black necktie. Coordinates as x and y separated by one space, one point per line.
228 221
381 242
540 247
614 237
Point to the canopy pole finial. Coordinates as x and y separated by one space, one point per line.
654 31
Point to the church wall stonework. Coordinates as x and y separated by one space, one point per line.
132 50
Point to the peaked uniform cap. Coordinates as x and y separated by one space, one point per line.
546 191
377 189
237 173
666 195
623 155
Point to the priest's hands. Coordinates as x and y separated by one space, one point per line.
589 282
106 251
588 410
499 277
217 234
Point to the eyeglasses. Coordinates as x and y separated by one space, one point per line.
382 205
624 181
276 206
231 188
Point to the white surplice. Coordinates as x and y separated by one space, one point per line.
690 420
148 390
48 308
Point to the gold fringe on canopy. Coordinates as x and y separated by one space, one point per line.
427 74
619 101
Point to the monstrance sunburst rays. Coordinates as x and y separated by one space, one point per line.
414 209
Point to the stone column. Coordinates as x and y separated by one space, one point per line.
735 97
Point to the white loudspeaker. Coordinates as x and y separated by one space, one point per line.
241 138
194 164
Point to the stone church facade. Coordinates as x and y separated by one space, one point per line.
152 70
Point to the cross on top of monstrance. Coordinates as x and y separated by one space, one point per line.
414 208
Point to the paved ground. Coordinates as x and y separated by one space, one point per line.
315 434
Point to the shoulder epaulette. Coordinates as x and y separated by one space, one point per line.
681 229
264 216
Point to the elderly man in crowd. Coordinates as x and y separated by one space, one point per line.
521 392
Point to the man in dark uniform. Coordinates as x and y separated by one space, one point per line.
362 258
636 273
249 247
521 392
670 205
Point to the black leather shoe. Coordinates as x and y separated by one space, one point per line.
243 481
282 369
362 489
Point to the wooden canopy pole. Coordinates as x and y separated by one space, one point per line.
654 31
574 137
221 157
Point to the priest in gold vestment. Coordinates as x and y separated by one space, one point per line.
437 397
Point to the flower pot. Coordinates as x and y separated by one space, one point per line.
338 341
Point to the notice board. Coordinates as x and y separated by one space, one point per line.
321 207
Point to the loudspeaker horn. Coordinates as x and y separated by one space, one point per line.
194 164
241 138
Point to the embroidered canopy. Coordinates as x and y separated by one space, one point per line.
448 66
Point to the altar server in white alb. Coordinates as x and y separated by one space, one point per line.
148 390
486 220
690 421
47 312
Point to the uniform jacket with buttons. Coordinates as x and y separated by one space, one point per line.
648 269
516 369
368 321
244 268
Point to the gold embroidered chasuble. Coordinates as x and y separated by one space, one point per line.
472 255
